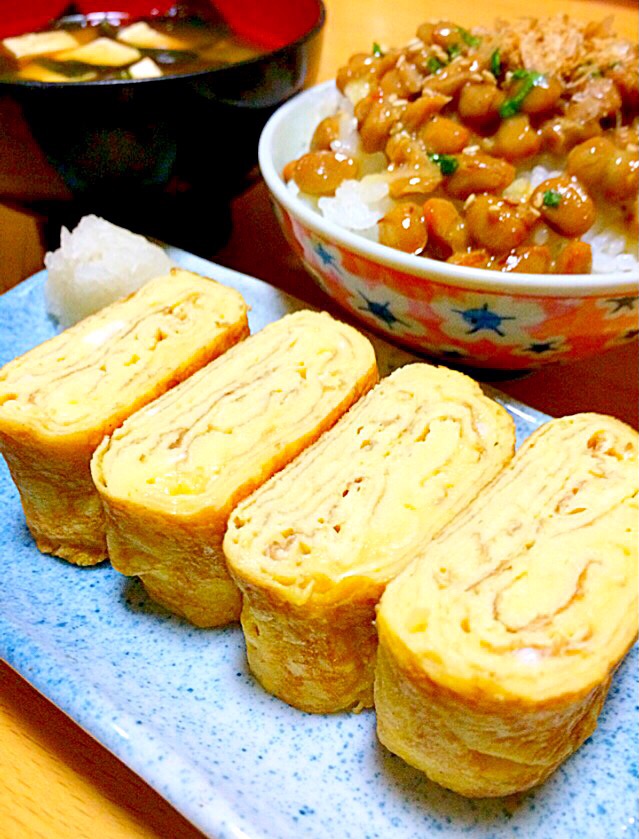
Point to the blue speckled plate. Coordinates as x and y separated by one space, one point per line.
180 708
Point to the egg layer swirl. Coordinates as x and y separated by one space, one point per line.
170 476
497 646
59 399
313 549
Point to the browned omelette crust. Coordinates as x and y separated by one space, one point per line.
170 476
498 644
59 399
313 549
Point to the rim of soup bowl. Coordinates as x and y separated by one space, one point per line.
537 285
269 55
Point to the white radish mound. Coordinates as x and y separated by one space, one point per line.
96 264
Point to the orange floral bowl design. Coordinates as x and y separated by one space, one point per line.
468 316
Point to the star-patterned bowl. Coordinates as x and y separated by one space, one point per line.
466 315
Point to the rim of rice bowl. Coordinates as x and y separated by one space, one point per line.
300 115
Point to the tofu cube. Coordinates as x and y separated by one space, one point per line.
39 43
145 69
103 52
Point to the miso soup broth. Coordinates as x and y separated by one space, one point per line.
106 46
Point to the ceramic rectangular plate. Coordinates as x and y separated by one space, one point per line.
178 705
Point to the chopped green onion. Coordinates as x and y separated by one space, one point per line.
495 63
529 79
446 162
433 64
377 50
468 37
551 198
509 108
453 51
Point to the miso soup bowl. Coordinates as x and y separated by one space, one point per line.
467 316
134 148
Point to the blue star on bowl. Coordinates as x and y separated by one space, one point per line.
622 303
381 311
326 256
483 318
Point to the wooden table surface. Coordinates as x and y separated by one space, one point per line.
57 782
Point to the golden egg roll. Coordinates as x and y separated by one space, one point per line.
170 476
497 646
314 548
58 400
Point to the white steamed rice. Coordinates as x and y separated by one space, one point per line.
97 263
360 203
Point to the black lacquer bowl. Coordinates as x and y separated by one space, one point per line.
164 156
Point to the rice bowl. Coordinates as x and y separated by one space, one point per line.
457 313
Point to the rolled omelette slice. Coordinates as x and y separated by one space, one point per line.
59 399
497 646
170 476
313 549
